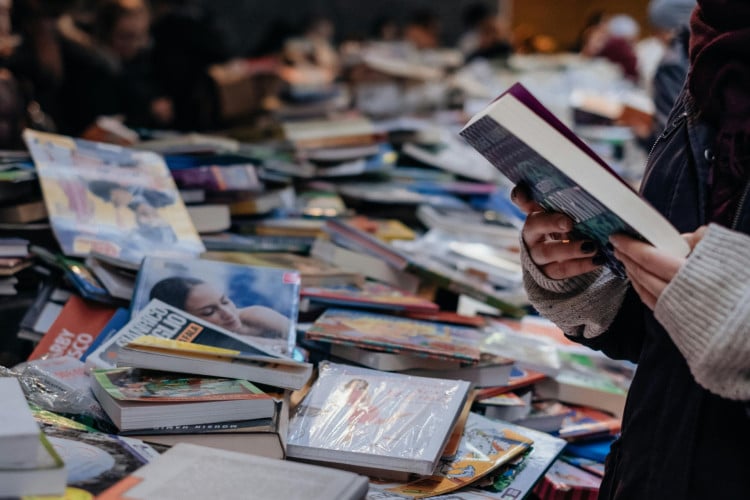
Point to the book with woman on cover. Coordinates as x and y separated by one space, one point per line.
257 302
113 200
529 145
356 417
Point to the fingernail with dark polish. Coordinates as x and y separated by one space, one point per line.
588 247
514 193
610 247
598 260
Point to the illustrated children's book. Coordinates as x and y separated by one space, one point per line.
257 302
142 399
110 199
395 334
376 420
485 445
529 145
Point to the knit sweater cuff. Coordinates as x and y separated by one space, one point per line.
706 311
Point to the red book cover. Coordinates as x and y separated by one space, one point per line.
74 330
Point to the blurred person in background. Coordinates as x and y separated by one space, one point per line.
422 30
614 39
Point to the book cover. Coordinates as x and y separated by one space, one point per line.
118 320
110 199
254 302
191 471
395 334
485 446
19 434
219 178
94 460
523 140
159 319
567 482
133 384
366 418
186 357
369 295
588 423
74 330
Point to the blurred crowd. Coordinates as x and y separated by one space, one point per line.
64 63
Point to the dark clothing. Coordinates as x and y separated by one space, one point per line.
678 440
669 80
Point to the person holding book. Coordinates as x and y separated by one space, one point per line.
685 321
205 301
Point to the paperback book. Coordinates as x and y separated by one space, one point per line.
375 420
110 199
529 145
368 295
142 399
256 302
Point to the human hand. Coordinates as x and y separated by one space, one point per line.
551 247
649 269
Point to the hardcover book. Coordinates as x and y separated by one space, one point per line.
382 421
529 145
191 471
110 199
142 399
395 334
256 302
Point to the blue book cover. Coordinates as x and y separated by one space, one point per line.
120 319
253 301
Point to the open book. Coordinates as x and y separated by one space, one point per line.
528 144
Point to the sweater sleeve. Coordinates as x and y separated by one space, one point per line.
584 307
706 311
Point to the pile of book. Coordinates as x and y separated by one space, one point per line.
343 297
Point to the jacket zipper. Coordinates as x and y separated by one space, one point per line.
663 136
738 213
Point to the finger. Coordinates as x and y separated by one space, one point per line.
569 268
546 252
694 237
644 279
538 224
644 294
522 198
648 257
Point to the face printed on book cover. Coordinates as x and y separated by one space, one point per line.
206 301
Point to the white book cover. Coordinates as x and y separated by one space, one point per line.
19 432
366 418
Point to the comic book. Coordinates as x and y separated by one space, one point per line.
114 200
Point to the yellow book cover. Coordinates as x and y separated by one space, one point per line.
116 201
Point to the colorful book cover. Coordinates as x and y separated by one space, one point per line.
587 423
119 319
74 330
113 200
133 384
94 460
514 480
394 334
485 446
219 178
159 319
370 295
567 482
375 419
519 378
256 302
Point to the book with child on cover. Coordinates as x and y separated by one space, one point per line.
529 145
106 198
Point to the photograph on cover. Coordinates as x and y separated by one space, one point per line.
261 302
116 201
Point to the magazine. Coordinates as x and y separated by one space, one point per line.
110 199
257 302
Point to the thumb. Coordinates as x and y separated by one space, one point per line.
694 237
522 198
